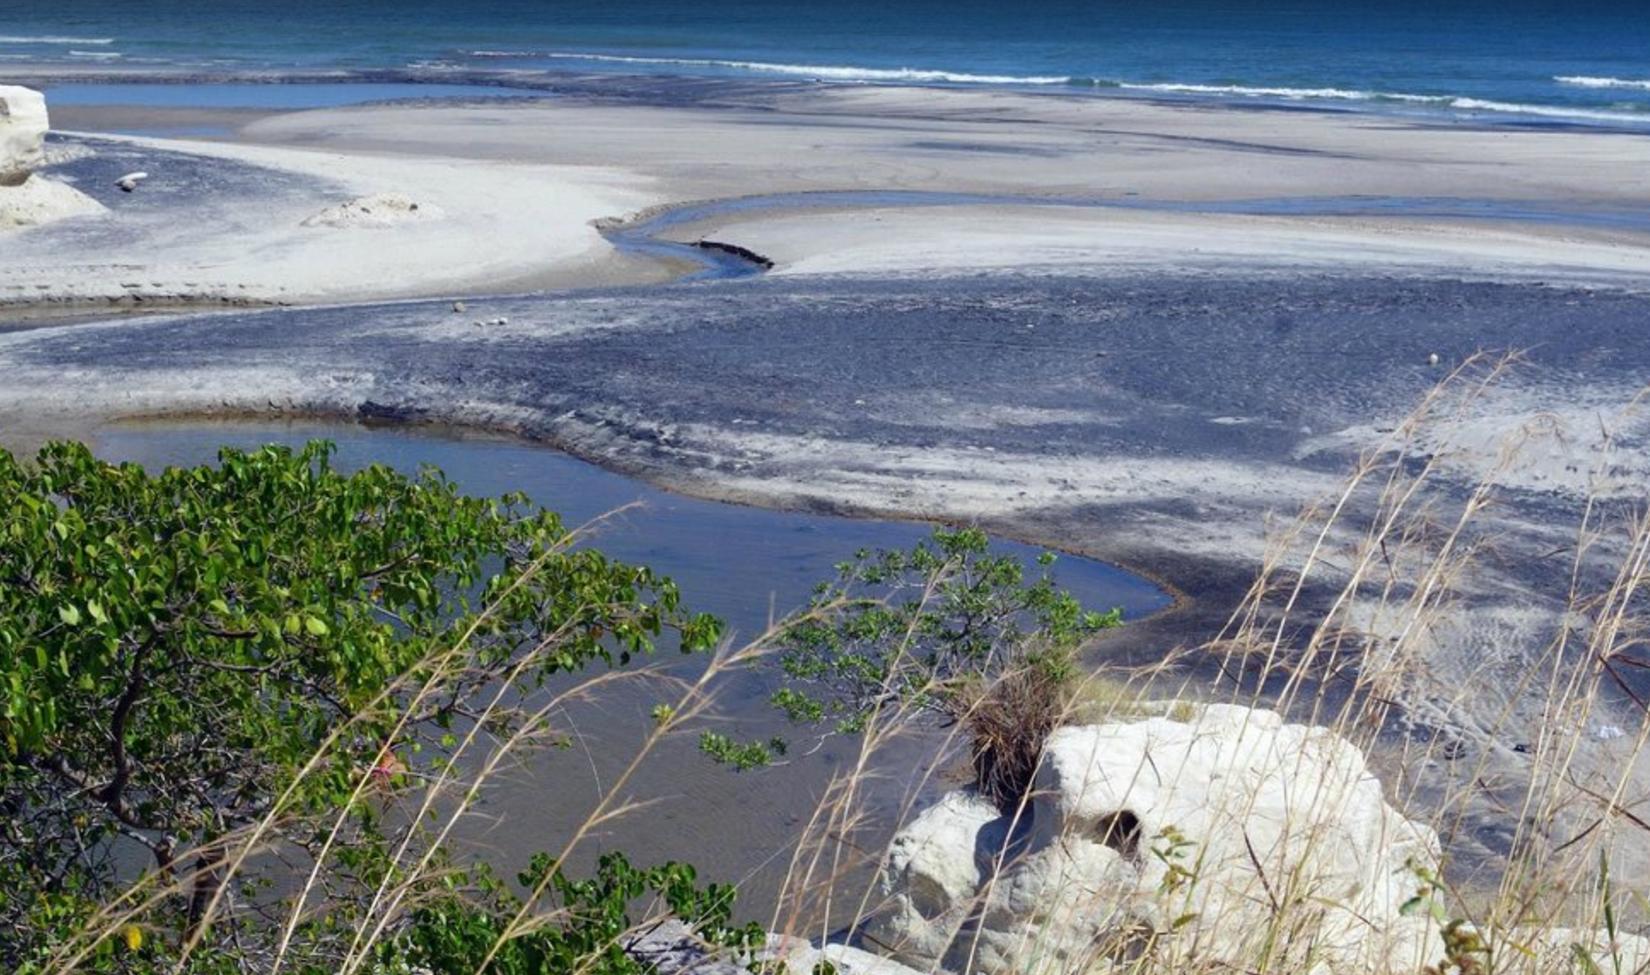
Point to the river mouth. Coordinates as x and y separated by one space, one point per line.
741 563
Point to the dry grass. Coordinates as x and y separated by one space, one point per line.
1353 623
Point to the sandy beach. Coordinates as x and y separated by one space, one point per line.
1141 331
867 488
512 189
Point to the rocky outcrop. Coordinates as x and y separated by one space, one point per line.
1221 840
26 198
1227 841
23 126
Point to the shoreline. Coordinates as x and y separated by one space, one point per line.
668 88
891 180
1145 382
439 427
652 449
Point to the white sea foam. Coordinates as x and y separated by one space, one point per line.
830 71
52 39
1546 111
95 55
1290 94
1180 88
1455 102
1588 81
921 75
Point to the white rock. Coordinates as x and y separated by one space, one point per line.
40 201
28 199
1149 833
854 961
935 873
801 958
23 127
1554 950
671 948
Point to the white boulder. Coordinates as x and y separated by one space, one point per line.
28 199
1225 840
801 957
23 127
39 200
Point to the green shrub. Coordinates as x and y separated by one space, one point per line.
176 647
456 932
947 628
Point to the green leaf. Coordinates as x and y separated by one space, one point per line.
275 544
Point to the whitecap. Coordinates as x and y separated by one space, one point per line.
52 39
1455 102
832 72
1589 81
1187 88
852 73
1546 111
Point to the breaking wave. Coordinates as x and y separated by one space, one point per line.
1588 81
52 39
1459 103
850 73
827 71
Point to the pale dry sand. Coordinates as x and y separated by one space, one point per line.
1133 153
492 226
972 141
1074 239
521 183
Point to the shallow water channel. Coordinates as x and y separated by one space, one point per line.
737 562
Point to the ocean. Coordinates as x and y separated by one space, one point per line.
1518 60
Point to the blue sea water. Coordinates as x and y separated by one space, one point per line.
1529 60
